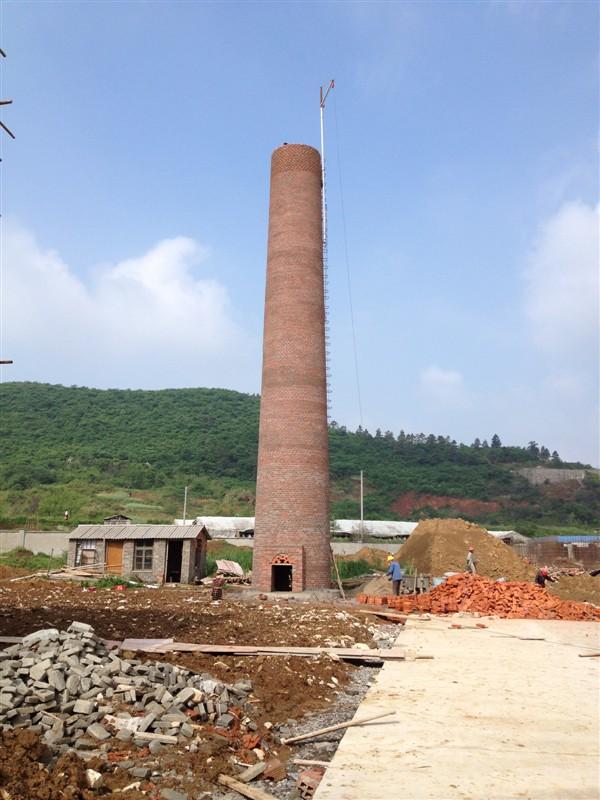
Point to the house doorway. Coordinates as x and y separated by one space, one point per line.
281 578
174 553
114 558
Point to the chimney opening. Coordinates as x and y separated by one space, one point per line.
281 578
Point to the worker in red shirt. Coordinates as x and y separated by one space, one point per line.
542 576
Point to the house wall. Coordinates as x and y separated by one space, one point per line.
187 562
72 551
154 575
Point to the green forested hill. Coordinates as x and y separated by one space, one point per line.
96 452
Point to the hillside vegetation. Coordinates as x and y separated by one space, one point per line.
97 452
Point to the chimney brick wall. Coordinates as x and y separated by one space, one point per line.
292 493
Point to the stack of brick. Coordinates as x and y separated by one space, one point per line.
73 691
475 593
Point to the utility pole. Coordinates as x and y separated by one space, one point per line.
184 504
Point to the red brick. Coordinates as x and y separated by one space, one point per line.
292 490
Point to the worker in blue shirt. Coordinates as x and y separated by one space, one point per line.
394 574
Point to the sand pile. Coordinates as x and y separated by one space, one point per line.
437 546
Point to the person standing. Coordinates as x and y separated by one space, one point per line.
394 574
542 576
471 561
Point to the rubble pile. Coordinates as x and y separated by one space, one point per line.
75 692
475 593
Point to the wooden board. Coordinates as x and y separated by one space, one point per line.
166 646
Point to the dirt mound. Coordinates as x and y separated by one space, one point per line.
510 600
379 586
437 546
372 555
577 587
12 572
27 774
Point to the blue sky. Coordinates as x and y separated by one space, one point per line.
462 146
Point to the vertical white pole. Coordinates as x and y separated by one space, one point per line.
185 504
361 507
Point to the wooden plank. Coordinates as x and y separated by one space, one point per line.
393 653
337 727
387 614
242 788
144 644
337 574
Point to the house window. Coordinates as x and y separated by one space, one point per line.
86 552
142 555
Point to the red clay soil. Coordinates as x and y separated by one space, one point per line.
186 615
412 501
12 572
437 546
474 593
25 774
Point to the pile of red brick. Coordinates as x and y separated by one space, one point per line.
512 600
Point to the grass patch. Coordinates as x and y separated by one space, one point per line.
108 581
354 569
25 559
243 556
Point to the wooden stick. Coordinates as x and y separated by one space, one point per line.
309 762
589 655
337 574
387 614
336 727
243 788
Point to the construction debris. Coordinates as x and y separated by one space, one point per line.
477 594
69 688
244 789
338 727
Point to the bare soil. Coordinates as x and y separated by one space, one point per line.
583 588
412 501
284 687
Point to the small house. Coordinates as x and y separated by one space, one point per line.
150 553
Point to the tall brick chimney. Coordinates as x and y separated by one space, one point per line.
291 539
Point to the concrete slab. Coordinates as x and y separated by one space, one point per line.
490 717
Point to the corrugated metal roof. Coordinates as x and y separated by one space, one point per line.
578 539
383 528
136 532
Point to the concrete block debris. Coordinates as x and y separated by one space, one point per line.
75 692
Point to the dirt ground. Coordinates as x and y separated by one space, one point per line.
283 687
583 588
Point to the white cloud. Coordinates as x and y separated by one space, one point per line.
443 386
145 322
562 282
